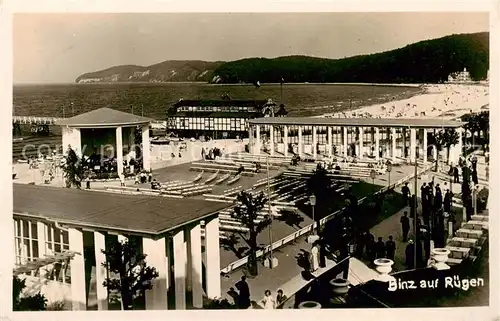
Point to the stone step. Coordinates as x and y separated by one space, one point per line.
480 218
463 242
453 261
458 252
476 225
468 233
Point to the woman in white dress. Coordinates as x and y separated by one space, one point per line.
268 300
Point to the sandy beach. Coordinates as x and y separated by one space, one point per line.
448 101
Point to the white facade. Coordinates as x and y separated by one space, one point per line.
373 142
66 281
71 136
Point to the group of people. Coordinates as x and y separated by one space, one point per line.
211 154
242 300
367 247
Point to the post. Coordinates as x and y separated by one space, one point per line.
415 191
271 140
330 144
257 140
270 216
314 142
344 140
425 145
361 138
300 147
77 264
413 145
119 151
377 143
285 138
146 153
393 145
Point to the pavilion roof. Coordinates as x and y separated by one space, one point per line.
104 117
361 122
149 215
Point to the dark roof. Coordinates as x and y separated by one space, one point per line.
104 117
223 102
221 114
365 122
108 211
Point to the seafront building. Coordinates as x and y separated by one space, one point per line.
105 132
359 137
225 118
60 234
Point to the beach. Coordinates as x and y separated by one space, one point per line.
448 101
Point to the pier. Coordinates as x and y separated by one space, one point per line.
35 120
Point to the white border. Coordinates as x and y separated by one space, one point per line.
6 76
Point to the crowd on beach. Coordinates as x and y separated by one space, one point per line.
447 101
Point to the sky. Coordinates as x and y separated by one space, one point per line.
57 48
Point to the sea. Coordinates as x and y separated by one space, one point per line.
153 99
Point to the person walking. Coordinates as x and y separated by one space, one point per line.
390 247
268 300
447 201
280 297
244 296
438 198
405 190
380 248
456 177
413 206
405 225
370 247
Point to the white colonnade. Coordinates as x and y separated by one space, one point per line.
390 142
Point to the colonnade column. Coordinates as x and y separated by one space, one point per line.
377 143
413 144
424 130
250 138
361 136
78 288
146 151
344 141
330 144
119 150
212 250
393 145
156 298
101 272
314 142
403 154
301 146
257 140
180 269
285 141
195 265
271 140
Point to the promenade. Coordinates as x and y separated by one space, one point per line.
287 275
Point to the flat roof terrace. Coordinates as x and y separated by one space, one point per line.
145 215
359 122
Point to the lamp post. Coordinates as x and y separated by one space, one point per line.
312 201
389 169
314 236
272 262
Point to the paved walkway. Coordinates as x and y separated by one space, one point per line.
287 275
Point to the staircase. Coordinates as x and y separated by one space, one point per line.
468 240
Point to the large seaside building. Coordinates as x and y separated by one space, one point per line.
360 137
460 77
218 118
60 233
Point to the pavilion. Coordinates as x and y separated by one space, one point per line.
361 137
103 129
172 233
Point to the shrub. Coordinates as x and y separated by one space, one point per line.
219 304
482 199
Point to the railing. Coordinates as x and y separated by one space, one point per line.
35 120
236 264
